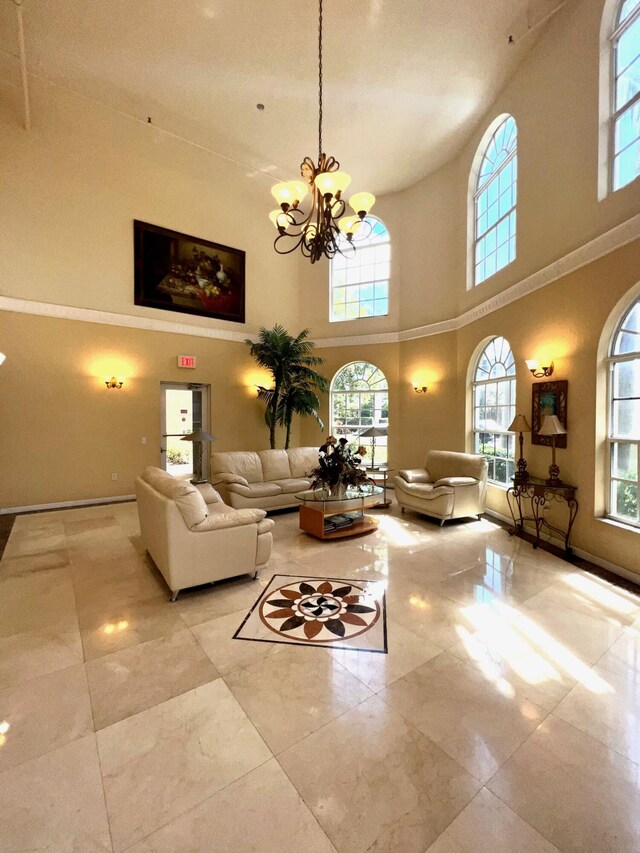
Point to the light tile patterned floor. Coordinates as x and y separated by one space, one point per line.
505 716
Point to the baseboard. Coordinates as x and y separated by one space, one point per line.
579 552
15 510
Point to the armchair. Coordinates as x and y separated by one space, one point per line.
451 485
193 537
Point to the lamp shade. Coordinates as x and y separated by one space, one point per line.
520 424
551 426
373 432
199 435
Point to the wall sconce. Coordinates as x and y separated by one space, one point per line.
2 357
114 382
420 389
539 372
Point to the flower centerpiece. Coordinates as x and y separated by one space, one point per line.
338 467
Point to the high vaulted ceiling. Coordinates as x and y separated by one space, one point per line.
405 80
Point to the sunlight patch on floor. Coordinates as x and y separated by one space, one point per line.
527 648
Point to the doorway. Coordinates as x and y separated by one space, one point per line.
184 408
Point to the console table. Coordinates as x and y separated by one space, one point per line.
539 493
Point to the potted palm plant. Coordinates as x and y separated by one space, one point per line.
295 381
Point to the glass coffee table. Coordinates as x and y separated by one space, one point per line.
328 516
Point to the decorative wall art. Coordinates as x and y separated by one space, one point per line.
176 272
548 398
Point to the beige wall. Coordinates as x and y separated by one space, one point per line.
568 322
73 185
64 433
554 98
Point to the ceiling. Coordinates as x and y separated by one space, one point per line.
405 80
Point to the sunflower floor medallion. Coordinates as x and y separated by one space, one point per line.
324 612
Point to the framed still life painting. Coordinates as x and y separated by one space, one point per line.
548 398
176 272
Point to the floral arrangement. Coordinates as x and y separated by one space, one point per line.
338 466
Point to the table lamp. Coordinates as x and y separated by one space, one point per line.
198 437
520 425
551 426
373 433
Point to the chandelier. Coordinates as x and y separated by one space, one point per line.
322 230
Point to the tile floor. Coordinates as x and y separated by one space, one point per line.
505 717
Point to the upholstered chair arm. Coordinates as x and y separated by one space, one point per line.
228 478
414 475
457 481
233 518
208 493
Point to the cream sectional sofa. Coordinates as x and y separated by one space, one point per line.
268 479
193 537
451 485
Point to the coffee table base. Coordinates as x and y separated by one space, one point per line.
312 522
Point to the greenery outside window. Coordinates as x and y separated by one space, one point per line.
360 400
624 419
494 408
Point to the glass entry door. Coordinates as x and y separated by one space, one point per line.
184 409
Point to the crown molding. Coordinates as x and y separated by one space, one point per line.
131 321
619 236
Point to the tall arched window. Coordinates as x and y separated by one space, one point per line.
494 408
359 401
359 281
494 203
624 418
625 123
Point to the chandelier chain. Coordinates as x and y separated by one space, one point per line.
320 84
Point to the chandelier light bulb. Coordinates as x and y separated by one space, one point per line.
361 203
331 183
349 225
283 193
299 190
278 218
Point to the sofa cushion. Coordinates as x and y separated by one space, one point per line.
244 463
456 481
235 518
302 460
255 490
208 493
275 465
427 491
192 507
414 475
291 486
228 478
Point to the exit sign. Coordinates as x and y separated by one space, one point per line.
186 361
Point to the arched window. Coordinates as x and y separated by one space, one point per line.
494 203
359 281
359 401
624 418
494 408
625 123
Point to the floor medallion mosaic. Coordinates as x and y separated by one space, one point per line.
325 612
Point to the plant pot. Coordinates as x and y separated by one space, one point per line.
338 490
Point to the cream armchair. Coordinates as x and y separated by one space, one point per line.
195 538
451 485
